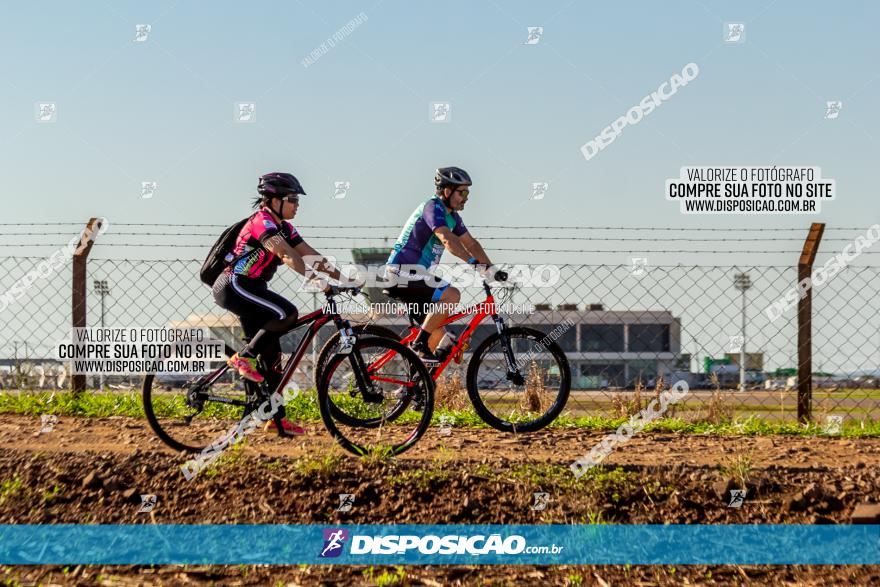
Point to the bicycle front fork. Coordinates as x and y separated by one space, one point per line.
347 340
513 372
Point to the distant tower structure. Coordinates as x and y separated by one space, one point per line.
374 259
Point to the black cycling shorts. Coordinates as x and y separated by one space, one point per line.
255 305
419 294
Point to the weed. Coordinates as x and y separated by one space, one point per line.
625 405
387 578
450 394
717 411
595 518
326 465
50 495
443 457
9 488
423 479
483 470
230 458
377 455
535 391
614 483
738 466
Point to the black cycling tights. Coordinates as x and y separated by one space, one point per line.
264 314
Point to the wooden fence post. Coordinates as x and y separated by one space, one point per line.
78 288
805 327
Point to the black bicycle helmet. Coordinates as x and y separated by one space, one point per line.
278 184
447 176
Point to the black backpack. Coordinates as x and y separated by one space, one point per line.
220 254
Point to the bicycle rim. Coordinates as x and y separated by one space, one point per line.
519 406
387 423
186 421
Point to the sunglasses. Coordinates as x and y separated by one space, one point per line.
464 192
293 199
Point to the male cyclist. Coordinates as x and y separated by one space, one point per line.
266 241
434 226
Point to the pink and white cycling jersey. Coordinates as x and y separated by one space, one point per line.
256 261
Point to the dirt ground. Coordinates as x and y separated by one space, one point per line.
93 470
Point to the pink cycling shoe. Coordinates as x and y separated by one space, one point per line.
246 367
289 427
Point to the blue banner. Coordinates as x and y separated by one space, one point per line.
439 544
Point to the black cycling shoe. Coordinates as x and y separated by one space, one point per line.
418 399
424 353
442 354
418 402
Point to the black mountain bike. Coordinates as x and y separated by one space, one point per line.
395 399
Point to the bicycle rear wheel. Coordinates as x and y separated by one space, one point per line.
393 415
195 414
519 404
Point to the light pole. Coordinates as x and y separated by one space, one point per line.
742 281
103 289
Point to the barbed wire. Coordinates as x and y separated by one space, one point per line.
498 249
486 238
504 227
94 257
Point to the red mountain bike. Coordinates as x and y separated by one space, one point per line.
199 414
517 379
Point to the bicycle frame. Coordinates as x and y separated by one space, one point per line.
481 311
316 320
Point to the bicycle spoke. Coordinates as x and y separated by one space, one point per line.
385 418
527 397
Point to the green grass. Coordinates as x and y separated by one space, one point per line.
231 458
9 488
749 426
386 578
53 493
321 466
422 479
304 408
130 404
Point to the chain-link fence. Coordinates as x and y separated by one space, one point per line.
632 325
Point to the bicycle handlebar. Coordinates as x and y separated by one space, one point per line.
340 289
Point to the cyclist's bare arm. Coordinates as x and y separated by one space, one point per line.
322 264
475 249
452 243
280 247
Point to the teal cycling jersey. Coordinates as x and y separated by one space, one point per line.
417 243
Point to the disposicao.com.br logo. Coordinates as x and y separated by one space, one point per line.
431 544
334 542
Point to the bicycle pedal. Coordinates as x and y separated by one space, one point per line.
459 355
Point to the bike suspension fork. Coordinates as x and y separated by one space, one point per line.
347 340
506 349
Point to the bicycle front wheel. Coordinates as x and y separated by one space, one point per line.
522 402
397 407
331 347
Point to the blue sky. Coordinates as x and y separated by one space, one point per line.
162 110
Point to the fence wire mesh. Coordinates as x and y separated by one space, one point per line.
631 326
